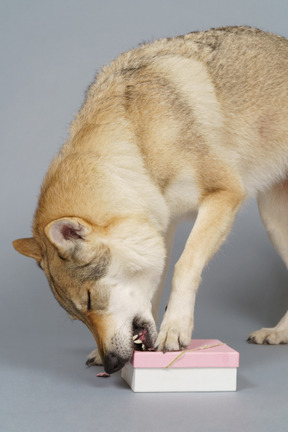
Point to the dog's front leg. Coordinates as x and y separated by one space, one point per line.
169 239
215 217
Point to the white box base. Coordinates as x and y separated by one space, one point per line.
180 379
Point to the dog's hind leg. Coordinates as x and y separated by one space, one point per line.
273 208
215 218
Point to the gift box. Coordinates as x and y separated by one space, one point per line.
205 365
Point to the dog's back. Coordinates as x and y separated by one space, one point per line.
225 90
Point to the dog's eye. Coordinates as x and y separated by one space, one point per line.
89 301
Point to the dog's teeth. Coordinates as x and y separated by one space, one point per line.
143 347
135 337
137 341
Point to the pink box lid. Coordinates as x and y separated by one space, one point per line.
199 353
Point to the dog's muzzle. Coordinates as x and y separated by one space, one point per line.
143 336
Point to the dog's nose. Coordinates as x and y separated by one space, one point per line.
112 363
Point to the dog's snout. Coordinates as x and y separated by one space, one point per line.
112 363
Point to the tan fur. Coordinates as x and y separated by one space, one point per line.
100 327
190 124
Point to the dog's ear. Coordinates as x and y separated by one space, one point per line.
28 247
69 235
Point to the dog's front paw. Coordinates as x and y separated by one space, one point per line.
94 359
173 336
268 336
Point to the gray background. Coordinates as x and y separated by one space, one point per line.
50 52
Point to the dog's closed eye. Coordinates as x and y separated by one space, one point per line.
89 301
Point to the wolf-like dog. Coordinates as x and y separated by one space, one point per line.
191 124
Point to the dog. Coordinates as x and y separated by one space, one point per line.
194 124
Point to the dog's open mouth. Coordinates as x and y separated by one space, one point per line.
141 338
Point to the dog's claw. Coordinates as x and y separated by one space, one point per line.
175 335
94 359
89 362
269 336
93 362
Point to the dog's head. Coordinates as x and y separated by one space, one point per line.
104 276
